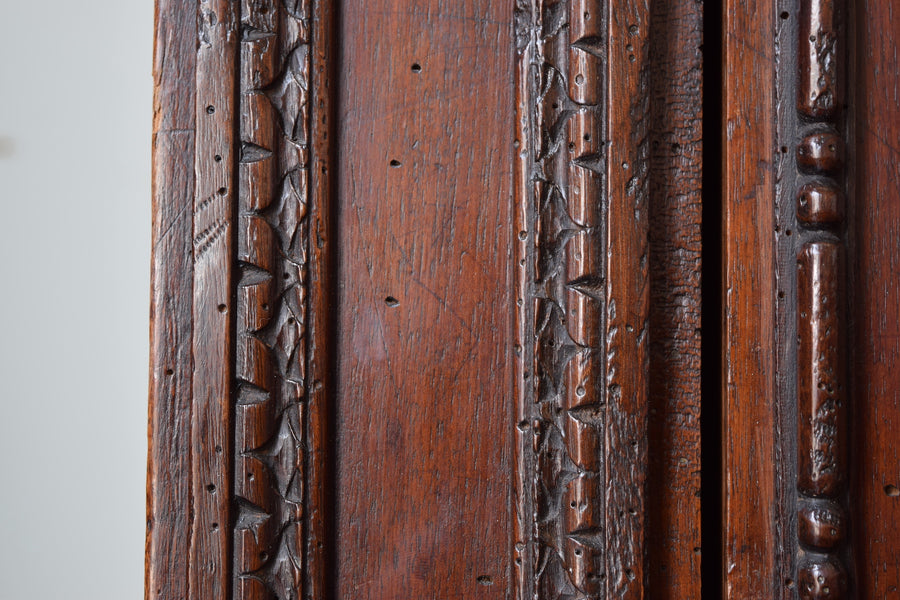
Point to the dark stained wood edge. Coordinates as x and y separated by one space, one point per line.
626 323
750 504
320 365
787 233
523 550
168 465
873 214
673 513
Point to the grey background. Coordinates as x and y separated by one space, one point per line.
75 126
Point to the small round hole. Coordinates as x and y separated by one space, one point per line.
892 490
391 301
211 488
785 15
210 109
395 163
222 308
223 190
217 158
170 372
416 68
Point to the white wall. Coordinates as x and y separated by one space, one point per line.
75 120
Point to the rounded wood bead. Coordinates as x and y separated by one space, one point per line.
822 580
820 204
821 152
821 524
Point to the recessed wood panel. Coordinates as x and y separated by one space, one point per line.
424 410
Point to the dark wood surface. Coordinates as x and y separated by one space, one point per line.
673 543
875 391
426 300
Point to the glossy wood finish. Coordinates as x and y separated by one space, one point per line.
346 327
750 439
876 284
823 399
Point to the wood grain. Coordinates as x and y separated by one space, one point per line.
672 510
171 325
750 403
424 414
213 256
321 350
876 340
407 358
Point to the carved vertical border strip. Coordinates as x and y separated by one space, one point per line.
582 297
527 76
271 321
322 267
822 397
282 294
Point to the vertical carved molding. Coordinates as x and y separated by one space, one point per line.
273 313
582 296
822 390
272 257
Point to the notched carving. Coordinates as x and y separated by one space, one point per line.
273 246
